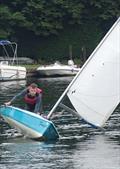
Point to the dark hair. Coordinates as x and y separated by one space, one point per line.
33 85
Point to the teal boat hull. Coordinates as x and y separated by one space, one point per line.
29 124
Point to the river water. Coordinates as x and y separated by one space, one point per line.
79 147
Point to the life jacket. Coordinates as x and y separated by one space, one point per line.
32 99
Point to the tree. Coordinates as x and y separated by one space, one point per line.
42 17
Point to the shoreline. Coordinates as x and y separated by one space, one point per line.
31 72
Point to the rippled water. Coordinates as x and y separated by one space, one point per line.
79 146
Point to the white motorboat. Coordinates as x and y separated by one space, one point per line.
9 70
58 69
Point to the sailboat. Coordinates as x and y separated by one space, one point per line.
9 70
94 92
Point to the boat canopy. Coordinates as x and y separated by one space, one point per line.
9 50
5 42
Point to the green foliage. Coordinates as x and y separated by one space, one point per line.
43 17
106 9
48 27
54 48
5 17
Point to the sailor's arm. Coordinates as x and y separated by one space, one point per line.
38 105
22 93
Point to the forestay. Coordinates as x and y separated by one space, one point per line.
95 92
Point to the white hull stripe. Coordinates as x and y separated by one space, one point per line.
22 128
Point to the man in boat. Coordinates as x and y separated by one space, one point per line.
33 98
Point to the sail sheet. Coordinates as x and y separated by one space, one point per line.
95 92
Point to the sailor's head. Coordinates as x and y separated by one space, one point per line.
33 89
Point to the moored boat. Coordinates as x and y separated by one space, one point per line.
9 70
58 69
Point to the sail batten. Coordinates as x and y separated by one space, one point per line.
95 92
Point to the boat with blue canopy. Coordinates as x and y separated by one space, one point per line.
9 67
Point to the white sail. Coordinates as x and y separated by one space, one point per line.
95 92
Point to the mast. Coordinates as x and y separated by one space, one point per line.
61 98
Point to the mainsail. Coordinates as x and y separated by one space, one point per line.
95 90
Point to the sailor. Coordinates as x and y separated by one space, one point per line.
32 96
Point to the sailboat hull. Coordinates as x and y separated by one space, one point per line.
29 124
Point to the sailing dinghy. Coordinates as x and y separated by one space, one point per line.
29 124
94 92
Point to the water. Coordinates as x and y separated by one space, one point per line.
79 146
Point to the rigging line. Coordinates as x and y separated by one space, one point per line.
16 74
106 116
10 76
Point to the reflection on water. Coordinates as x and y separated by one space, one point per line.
12 85
9 88
97 152
79 146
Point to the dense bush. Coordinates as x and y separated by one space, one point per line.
45 29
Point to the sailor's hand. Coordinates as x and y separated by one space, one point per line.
39 113
7 103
